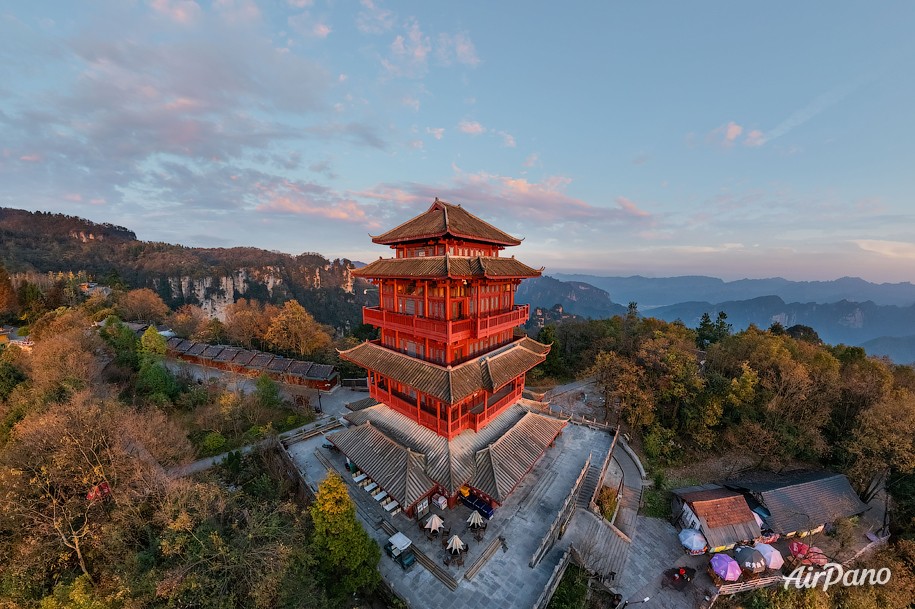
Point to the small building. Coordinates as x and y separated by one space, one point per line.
723 515
799 503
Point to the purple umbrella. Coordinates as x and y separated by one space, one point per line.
725 567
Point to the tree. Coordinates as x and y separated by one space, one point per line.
349 556
709 333
295 331
883 440
152 344
187 320
9 303
247 321
142 305
621 380
122 341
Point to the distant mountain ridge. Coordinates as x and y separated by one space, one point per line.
575 297
651 292
210 277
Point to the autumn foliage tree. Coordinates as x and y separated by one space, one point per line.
349 557
295 331
142 305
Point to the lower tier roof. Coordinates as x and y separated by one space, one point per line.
451 384
407 460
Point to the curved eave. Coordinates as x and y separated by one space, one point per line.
381 240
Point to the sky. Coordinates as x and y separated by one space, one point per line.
652 138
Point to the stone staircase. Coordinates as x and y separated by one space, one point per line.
589 484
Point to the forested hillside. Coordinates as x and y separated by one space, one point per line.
213 278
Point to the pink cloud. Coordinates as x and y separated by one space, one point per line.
471 127
410 102
532 160
631 208
732 131
31 158
416 144
509 198
409 53
179 11
73 196
374 19
436 132
306 199
237 11
456 48
755 138
508 140
321 30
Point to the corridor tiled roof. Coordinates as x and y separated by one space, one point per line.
440 267
446 219
451 384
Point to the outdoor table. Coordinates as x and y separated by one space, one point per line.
371 487
359 478
390 507
380 496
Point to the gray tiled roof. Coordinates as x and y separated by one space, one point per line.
512 442
361 404
451 384
799 501
448 266
446 219
501 465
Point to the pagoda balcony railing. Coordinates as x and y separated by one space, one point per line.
446 331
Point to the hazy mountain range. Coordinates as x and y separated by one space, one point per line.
879 317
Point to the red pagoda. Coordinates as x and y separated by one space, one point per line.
447 361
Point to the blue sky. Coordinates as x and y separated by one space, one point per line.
670 138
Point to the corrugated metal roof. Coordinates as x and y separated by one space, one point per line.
447 266
451 385
800 501
446 219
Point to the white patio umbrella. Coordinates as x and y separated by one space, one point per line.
475 519
692 539
456 545
434 523
772 556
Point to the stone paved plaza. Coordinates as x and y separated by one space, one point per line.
505 580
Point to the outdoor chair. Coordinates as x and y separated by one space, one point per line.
447 560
